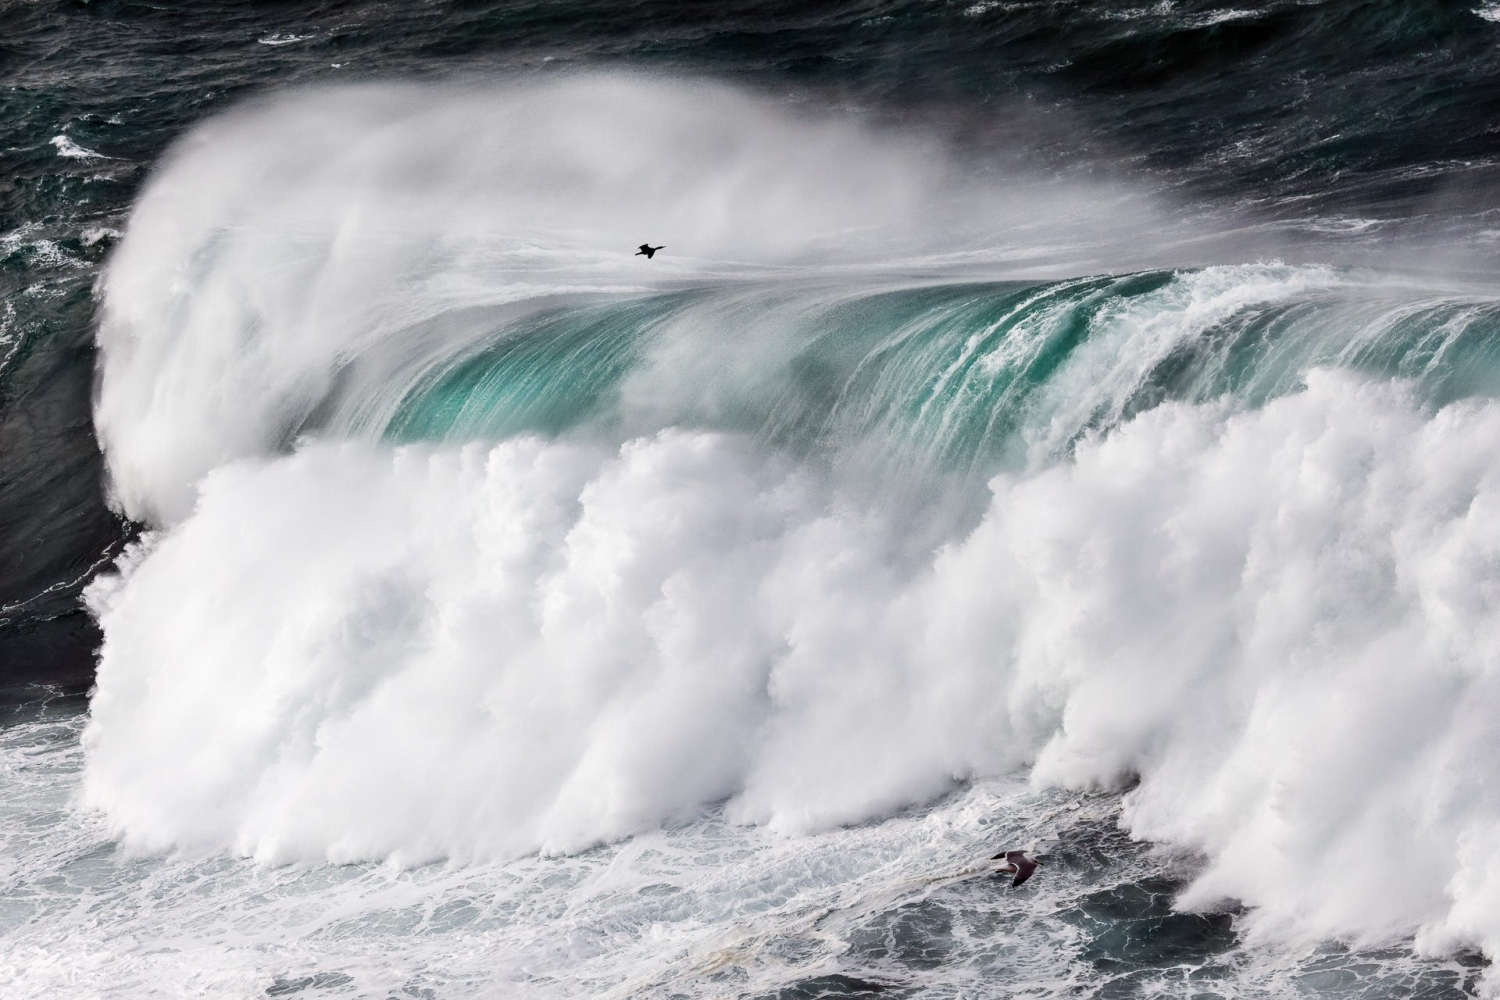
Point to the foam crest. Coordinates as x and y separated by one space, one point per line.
1282 622
348 237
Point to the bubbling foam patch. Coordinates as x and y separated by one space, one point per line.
1283 623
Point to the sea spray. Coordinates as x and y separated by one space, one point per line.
351 235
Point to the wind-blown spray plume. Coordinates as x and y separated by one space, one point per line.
344 237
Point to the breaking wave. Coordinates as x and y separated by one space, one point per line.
474 537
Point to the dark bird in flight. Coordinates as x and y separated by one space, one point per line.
1018 863
647 249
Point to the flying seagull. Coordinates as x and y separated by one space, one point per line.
648 250
1016 862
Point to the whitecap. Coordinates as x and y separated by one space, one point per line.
283 39
70 149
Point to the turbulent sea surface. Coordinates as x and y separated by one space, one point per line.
1050 424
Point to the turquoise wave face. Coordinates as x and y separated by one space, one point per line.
965 377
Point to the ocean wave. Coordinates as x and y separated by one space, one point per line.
473 537
1277 622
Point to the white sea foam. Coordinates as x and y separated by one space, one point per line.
1282 622
94 234
284 38
696 909
699 909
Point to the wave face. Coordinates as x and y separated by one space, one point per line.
474 537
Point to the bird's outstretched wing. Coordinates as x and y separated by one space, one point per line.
1018 862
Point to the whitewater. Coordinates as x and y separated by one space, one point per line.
514 617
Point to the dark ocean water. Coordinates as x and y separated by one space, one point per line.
1060 423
